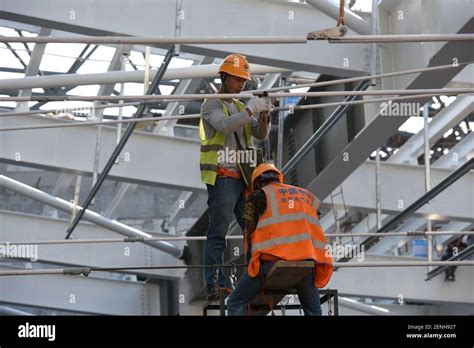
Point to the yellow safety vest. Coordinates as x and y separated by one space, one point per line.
210 147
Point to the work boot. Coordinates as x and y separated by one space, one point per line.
449 277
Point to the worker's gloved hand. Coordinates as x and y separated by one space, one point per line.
256 105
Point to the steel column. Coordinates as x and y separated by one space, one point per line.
325 127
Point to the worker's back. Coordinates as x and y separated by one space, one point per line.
289 229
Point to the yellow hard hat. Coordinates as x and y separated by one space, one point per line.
235 65
264 168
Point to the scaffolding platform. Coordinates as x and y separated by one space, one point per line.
280 281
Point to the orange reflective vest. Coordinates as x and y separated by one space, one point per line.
289 229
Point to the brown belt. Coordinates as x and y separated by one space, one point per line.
221 171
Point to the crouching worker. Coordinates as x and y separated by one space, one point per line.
281 223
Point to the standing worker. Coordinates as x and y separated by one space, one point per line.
282 223
224 122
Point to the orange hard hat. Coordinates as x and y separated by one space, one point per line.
235 65
264 168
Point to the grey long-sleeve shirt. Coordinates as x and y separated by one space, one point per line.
214 119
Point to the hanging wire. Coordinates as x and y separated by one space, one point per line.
244 95
82 58
177 117
87 270
239 237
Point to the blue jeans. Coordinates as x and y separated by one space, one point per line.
226 198
248 287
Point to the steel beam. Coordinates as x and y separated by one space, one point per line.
269 81
391 284
380 128
34 149
368 225
434 192
60 80
414 224
62 184
363 307
460 226
244 95
115 64
446 161
458 153
115 226
177 209
89 295
80 60
31 228
13 51
4 310
124 187
296 19
280 130
185 86
402 184
154 87
445 119
323 130
33 67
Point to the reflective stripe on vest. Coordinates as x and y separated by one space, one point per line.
209 167
273 202
277 217
288 218
287 240
210 147
316 203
